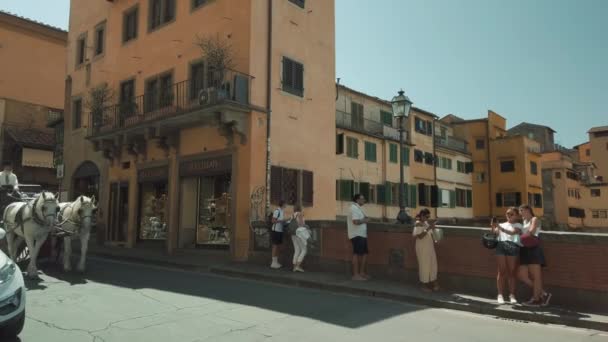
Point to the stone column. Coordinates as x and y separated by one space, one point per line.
133 203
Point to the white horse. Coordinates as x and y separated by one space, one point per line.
32 221
77 219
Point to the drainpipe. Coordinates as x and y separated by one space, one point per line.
489 168
268 104
435 169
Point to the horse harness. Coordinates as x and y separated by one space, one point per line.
20 220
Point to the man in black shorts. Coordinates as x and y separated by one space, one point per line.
357 233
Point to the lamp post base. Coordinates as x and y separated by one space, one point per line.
403 217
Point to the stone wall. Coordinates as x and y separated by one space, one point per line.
577 270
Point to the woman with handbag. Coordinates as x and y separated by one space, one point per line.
507 253
425 251
532 258
300 236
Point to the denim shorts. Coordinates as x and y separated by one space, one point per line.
507 248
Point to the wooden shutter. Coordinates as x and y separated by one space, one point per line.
538 201
276 184
299 78
452 199
393 155
340 143
429 128
469 167
413 199
381 194
499 200
517 199
389 193
434 196
346 190
307 188
422 200
469 199
290 186
364 190
405 151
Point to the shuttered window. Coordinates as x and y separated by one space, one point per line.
293 77
161 12
413 203
347 188
405 151
130 23
370 152
469 199
300 3
393 156
538 201
429 159
352 147
77 114
499 200
340 143
381 194
357 116
386 118
307 188
364 189
461 198
418 156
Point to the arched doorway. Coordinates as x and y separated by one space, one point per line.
85 180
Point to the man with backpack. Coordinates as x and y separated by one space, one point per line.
278 222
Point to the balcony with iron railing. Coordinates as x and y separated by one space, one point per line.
452 143
366 126
229 91
53 117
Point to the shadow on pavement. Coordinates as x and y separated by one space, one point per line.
341 310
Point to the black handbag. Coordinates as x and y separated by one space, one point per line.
489 240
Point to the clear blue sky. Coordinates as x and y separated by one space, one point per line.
542 61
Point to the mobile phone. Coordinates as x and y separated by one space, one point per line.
494 220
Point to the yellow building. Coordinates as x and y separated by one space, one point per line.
598 146
367 144
506 169
179 149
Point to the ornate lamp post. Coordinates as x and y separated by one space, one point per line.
401 109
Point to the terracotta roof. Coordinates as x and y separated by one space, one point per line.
37 23
598 129
533 125
31 137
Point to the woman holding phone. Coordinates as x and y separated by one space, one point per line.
507 253
425 251
531 258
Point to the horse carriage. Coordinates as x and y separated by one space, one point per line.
33 215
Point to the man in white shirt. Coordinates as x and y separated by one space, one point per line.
357 233
278 221
8 178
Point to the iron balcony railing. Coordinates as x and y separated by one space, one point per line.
179 98
452 143
53 116
361 124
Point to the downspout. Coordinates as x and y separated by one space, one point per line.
268 104
489 169
435 170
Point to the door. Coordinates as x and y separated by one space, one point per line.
119 212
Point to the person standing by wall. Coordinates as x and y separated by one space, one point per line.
278 221
507 253
425 251
299 237
357 233
532 259
7 177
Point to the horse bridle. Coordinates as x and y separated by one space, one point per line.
35 215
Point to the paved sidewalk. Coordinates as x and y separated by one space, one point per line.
217 263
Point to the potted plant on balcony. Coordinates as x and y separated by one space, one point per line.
219 57
98 100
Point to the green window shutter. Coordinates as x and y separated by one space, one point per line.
406 156
469 199
413 196
370 151
337 190
439 198
386 118
393 153
364 190
389 193
346 190
406 194
452 199
381 194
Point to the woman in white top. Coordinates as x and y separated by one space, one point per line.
507 253
425 251
300 240
532 259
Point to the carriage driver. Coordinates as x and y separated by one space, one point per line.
7 178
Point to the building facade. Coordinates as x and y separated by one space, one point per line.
180 154
506 169
598 146
544 135
32 74
367 155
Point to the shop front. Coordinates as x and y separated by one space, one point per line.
153 201
206 201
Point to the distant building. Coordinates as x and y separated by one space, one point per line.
32 74
544 135
598 141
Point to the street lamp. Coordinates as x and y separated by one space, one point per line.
401 109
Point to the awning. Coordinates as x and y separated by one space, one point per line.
37 158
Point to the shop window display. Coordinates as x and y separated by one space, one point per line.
214 203
153 212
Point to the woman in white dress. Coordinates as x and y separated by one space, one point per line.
425 251
300 240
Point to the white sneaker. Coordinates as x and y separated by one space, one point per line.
500 299
513 299
275 265
298 269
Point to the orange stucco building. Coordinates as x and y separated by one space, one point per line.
32 74
186 147
506 169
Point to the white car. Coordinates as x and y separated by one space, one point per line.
12 297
